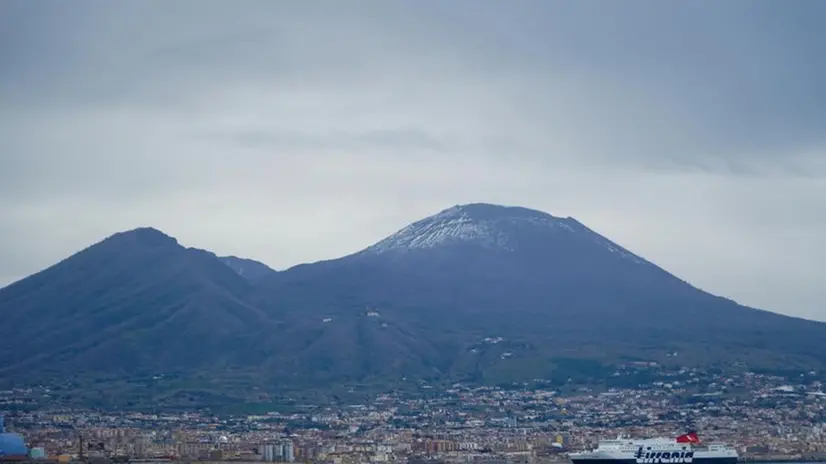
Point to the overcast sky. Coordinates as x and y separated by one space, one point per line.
692 133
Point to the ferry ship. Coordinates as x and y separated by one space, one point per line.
684 449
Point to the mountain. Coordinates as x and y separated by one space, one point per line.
247 268
137 303
479 293
551 286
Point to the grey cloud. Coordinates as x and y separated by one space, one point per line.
390 141
669 83
293 131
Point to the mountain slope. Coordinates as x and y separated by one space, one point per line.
135 302
485 270
478 292
248 268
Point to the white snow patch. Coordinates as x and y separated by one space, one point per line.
616 249
456 225
460 225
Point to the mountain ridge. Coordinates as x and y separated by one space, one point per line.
95 307
249 269
417 305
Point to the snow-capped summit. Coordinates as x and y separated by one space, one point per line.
504 228
485 225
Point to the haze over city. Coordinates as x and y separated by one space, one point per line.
288 132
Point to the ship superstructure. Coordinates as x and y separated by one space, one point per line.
685 449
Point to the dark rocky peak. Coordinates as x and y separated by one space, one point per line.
144 236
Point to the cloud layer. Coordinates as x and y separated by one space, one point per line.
691 133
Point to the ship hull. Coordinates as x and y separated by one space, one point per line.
718 460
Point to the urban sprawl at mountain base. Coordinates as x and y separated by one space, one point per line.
766 417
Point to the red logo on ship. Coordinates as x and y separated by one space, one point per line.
690 437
